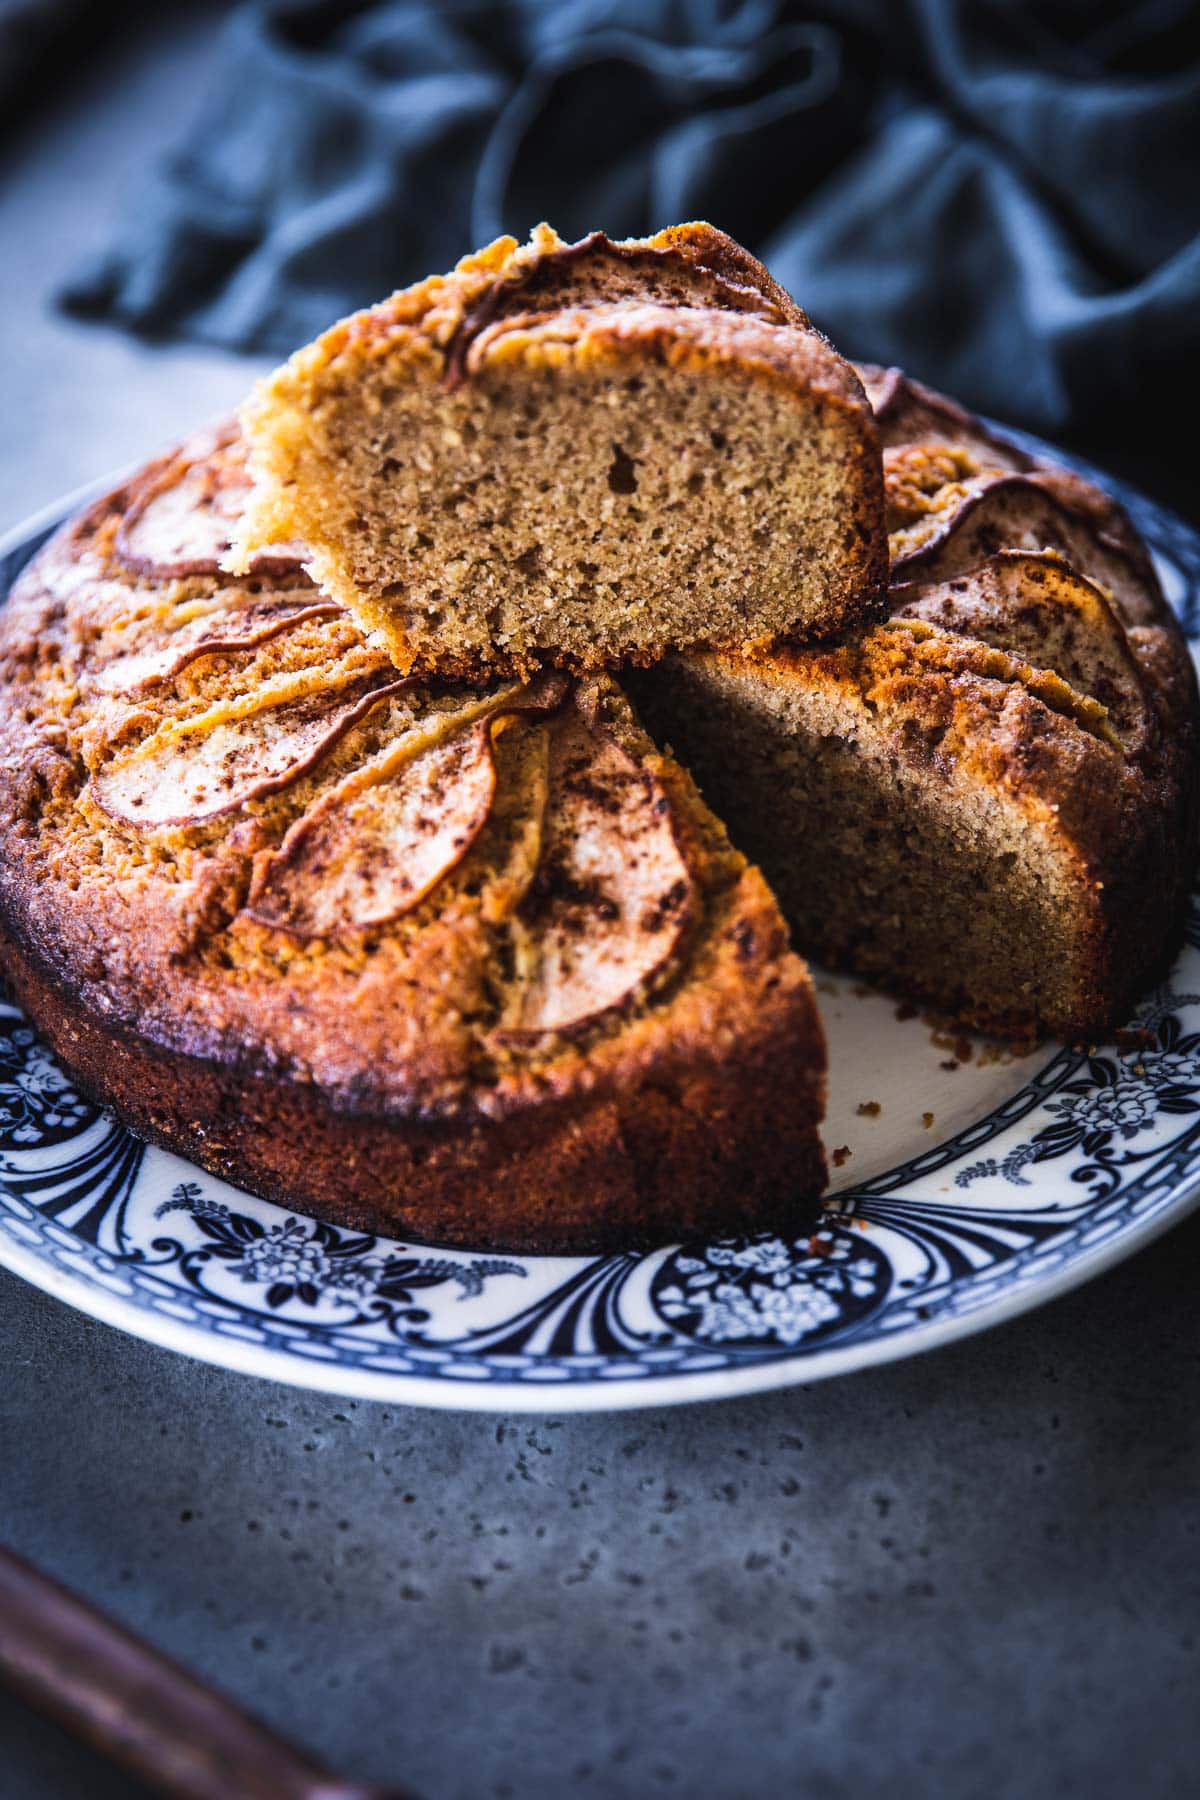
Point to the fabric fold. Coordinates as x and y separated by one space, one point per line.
994 195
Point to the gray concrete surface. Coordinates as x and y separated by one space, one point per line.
976 1574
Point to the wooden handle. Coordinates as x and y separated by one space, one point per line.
139 1708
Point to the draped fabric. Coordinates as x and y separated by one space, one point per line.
1003 196
29 30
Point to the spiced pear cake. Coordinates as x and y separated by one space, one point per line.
582 454
988 800
469 963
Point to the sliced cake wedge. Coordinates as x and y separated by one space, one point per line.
578 453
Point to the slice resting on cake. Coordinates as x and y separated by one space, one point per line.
466 963
577 453
988 801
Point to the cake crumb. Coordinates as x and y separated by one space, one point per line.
906 1010
841 1155
1135 1038
927 1120
868 1109
960 1046
951 1063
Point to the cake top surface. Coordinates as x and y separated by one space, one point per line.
993 546
692 266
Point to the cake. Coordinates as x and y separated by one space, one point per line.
584 453
468 963
335 856
987 801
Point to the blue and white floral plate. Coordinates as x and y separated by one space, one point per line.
973 1189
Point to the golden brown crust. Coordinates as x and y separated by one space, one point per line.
363 1075
693 264
704 1152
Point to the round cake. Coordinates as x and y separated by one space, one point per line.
473 961
470 964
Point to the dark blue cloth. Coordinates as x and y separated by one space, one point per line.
1004 197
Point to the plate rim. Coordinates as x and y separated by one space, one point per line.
394 1388
267 1362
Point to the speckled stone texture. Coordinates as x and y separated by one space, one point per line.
975 1575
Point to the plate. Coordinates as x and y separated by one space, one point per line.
972 1185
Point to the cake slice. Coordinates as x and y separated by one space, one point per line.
467 963
988 801
577 453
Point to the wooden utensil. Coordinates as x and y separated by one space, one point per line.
141 1709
